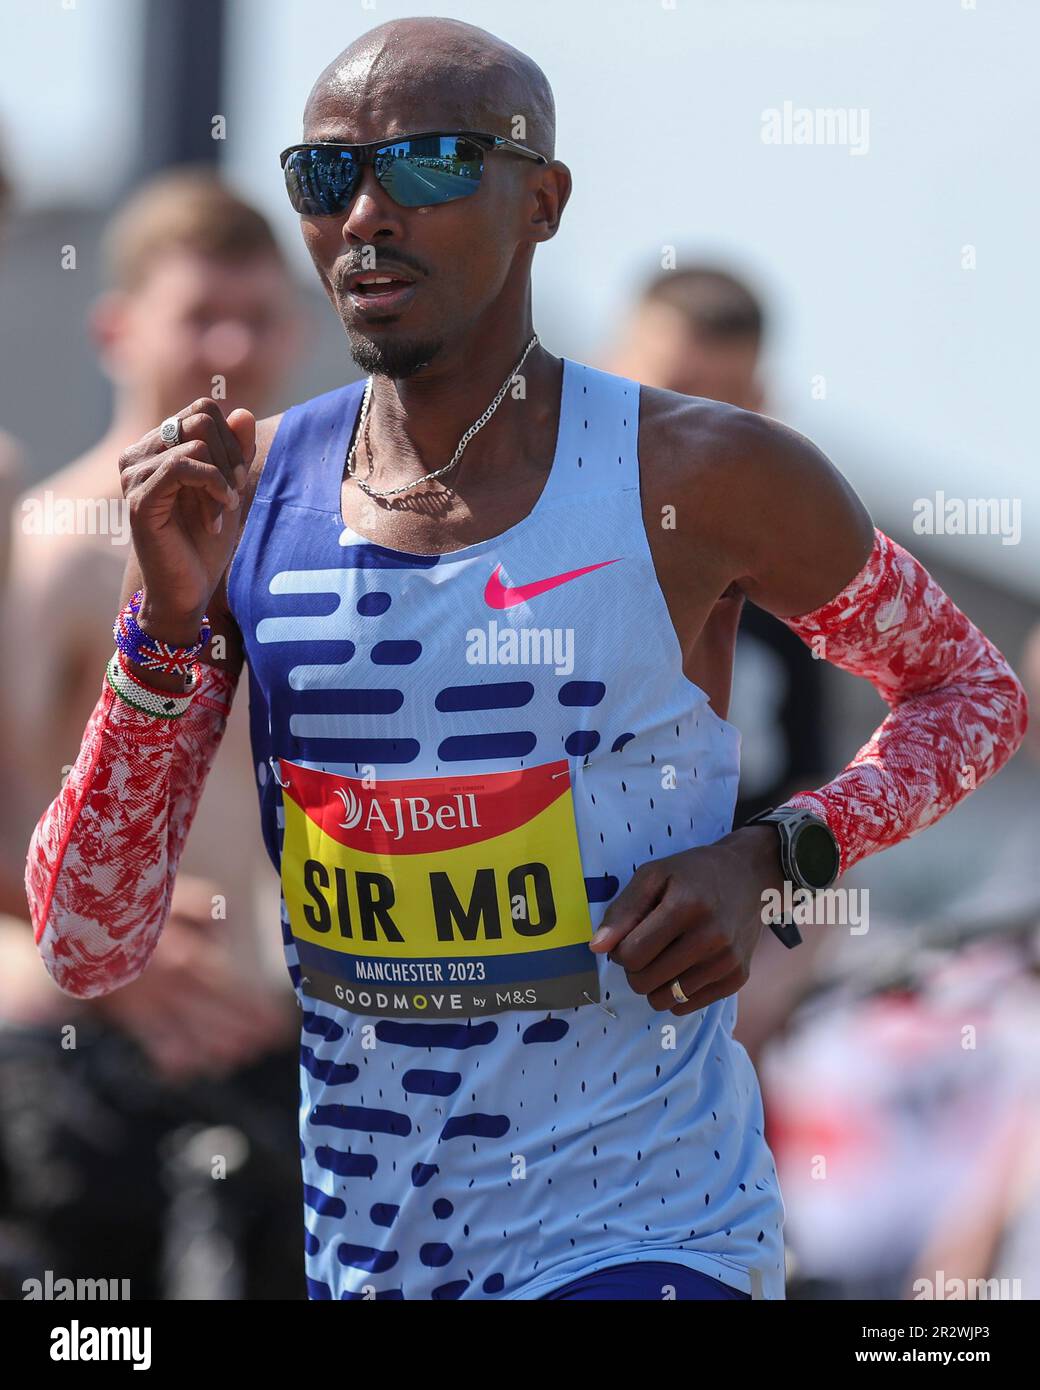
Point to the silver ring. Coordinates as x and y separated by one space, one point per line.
170 431
677 993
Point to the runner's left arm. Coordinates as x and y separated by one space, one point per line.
957 711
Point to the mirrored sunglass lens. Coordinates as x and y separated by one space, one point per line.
320 182
434 169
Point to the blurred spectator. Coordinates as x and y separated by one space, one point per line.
1030 671
200 303
13 477
906 1124
699 332
12 463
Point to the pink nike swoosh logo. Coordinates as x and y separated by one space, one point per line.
499 595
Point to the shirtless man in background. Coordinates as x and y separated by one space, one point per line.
13 477
198 293
199 297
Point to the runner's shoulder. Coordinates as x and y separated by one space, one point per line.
710 444
731 467
749 492
266 429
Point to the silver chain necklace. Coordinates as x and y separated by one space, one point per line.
427 477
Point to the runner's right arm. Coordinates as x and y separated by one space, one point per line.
103 858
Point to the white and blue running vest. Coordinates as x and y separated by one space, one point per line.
470 763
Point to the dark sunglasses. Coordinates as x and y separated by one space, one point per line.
417 171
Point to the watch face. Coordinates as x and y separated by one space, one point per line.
816 855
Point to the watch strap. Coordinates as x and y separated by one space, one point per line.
787 822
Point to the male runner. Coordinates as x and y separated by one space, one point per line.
490 1109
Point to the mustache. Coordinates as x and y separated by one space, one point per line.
383 266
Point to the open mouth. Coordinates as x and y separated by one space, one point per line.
382 292
378 286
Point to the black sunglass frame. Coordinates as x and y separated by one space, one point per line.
366 153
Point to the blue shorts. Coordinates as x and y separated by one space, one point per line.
646 1279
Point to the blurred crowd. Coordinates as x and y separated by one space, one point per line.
902 1151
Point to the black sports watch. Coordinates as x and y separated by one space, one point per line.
808 856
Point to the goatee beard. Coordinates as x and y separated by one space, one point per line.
397 358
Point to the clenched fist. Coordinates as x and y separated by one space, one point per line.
177 499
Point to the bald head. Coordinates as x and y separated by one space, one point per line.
421 74
468 257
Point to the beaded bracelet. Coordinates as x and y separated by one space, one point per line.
191 680
164 704
150 652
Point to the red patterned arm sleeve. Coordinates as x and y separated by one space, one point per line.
103 858
957 710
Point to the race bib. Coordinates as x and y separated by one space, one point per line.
438 897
